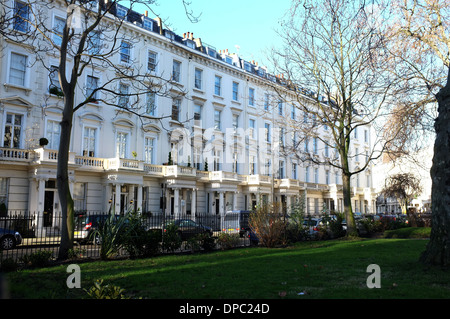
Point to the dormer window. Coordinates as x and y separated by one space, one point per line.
247 67
170 35
147 23
121 12
190 43
212 52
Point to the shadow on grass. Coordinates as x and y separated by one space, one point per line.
329 269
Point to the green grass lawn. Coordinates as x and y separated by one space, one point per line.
323 269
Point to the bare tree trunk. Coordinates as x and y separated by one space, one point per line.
438 249
62 177
346 190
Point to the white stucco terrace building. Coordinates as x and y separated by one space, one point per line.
218 111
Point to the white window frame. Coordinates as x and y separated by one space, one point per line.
152 66
22 128
176 71
152 110
122 146
124 57
251 96
176 105
95 46
198 78
95 139
152 159
218 85
50 134
97 93
252 130
125 97
57 39
235 91
26 79
26 22
54 69
198 110
217 119
267 133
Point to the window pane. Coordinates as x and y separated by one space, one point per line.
58 30
17 70
125 52
21 16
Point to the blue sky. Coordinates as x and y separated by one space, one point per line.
250 24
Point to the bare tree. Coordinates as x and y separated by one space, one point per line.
333 63
91 37
421 31
404 187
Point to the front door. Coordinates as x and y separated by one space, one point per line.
49 202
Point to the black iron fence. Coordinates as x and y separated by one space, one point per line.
24 235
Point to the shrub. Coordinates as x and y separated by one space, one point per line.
335 226
295 232
370 225
228 241
171 239
409 232
138 241
269 223
200 242
8 264
111 234
37 259
100 291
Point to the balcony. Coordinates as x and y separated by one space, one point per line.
13 154
258 179
287 183
179 171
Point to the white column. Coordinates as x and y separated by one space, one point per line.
139 199
176 208
194 203
221 204
40 208
131 203
235 195
117 200
288 204
107 202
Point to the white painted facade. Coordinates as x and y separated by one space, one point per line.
119 162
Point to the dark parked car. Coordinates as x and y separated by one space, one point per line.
86 224
9 239
188 228
254 239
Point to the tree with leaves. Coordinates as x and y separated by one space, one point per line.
91 37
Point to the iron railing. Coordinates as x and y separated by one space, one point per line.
41 232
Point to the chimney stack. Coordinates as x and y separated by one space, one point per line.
159 22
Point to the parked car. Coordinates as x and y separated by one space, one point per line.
236 221
9 239
86 224
312 225
254 239
188 228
